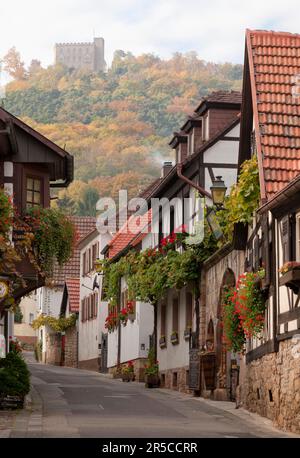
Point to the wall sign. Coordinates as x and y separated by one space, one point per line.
194 369
4 289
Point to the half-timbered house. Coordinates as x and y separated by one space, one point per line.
30 165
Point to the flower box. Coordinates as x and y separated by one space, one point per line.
152 381
291 279
11 402
162 342
187 333
174 338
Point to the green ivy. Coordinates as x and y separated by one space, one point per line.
54 237
150 273
57 324
243 199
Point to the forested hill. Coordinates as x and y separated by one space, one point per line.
116 124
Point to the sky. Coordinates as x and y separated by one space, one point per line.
215 29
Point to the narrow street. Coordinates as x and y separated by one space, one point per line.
69 402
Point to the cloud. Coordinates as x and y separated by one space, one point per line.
214 29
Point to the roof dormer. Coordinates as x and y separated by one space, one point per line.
217 110
179 143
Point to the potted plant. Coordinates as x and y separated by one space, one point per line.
14 381
290 275
128 372
174 338
162 342
152 371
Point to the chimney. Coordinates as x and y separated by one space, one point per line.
167 166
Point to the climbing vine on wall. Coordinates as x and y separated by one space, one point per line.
243 199
57 324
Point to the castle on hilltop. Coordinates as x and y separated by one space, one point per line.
81 55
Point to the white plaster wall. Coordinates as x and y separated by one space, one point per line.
173 356
112 347
28 305
90 331
229 176
133 335
147 327
49 300
235 132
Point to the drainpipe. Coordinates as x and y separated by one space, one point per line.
155 331
119 327
190 182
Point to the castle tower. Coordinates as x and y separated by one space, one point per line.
81 55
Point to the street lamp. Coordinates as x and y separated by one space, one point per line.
218 191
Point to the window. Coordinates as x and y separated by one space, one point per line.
83 310
175 314
175 380
205 127
188 310
95 250
84 264
90 260
90 302
33 192
96 305
298 237
31 318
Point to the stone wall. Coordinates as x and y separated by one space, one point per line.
176 379
271 386
71 347
90 364
53 349
53 354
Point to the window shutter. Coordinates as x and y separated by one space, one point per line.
256 253
266 255
285 238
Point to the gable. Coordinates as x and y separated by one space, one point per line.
274 68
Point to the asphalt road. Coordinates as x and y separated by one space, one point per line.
74 403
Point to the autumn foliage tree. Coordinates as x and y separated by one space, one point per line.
116 124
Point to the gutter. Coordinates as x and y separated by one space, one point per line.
190 182
282 197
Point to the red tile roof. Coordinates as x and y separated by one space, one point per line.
84 225
73 287
274 63
127 234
